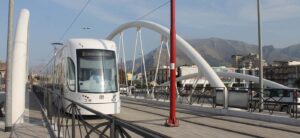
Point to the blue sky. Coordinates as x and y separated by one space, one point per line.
229 19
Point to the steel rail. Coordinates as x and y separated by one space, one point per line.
212 117
261 125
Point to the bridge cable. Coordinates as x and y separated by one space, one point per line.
119 59
153 10
157 65
143 58
119 47
194 86
164 42
124 59
134 54
74 20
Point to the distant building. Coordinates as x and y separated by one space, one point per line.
235 60
248 64
129 76
248 71
187 70
283 72
226 80
2 75
163 74
249 61
138 76
202 81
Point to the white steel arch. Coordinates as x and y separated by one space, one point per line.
184 46
19 68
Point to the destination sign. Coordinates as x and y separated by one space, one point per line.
95 53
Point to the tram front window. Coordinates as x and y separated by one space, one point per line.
96 71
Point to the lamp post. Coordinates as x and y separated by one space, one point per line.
172 121
9 54
261 86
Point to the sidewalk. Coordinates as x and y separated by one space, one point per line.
33 126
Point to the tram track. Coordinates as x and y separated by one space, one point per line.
202 124
222 119
197 113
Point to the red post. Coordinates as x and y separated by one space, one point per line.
121 74
172 121
167 68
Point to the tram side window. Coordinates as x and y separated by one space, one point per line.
71 75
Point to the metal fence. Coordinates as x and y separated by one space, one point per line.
65 120
186 95
279 100
284 100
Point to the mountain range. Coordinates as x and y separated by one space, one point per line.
218 52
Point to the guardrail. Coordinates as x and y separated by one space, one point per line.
187 95
245 98
68 121
285 100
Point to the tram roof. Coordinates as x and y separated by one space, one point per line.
89 43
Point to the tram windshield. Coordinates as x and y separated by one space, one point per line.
96 71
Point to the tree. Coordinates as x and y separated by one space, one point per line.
122 76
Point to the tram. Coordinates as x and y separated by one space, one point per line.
85 70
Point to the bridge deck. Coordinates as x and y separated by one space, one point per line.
152 116
200 124
33 126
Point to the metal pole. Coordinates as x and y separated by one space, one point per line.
261 86
8 112
59 116
167 68
121 69
112 128
172 121
73 106
49 106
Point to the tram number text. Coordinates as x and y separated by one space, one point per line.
101 96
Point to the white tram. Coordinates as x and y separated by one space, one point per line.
85 70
